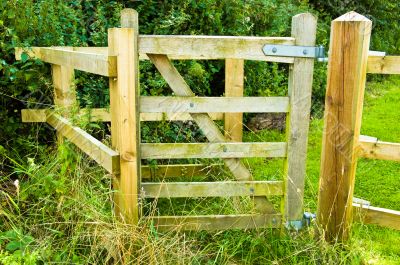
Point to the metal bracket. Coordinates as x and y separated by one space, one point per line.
317 52
297 225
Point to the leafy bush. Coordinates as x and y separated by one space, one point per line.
27 83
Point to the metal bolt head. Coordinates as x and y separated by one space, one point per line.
274 50
305 51
191 104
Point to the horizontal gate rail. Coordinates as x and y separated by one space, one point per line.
378 216
103 155
383 64
212 47
212 189
100 114
214 104
212 150
181 170
94 63
371 147
216 222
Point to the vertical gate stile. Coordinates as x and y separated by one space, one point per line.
234 82
350 37
124 100
300 86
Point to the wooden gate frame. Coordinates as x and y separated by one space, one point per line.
119 61
349 62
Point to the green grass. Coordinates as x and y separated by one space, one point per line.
62 212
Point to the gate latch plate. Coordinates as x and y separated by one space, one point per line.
317 52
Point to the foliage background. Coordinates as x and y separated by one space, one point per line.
26 23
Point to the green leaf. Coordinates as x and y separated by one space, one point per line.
13 245
11 14
24 57
27 76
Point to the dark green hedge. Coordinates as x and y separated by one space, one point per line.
27 83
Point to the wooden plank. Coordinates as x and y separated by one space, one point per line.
33 52
103 155
216 222
34 115
212 47
103 115
304 28
375 58
213 104
378 216
383 65
124 106
176 171
211 189
146 116
96 63
234 86
99 114
348 55
375 149
211 150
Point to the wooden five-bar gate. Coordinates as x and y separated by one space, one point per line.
120 62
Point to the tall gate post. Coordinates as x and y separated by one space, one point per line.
304 27
125 122
348 55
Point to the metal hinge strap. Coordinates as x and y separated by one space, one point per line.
317 52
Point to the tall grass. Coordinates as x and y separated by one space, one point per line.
60 210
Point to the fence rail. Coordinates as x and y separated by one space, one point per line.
103 155
212 189
214 104
371 147
216 222
212 150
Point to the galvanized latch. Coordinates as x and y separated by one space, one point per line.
317 52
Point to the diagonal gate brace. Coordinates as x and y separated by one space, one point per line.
206 124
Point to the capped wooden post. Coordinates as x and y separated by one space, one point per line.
304 28
125 122
234 82
348 55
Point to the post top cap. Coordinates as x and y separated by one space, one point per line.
352 16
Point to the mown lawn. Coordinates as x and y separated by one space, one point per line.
377 181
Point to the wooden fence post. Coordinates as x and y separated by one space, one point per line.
348 55
125 122
64 90
297 121
234 82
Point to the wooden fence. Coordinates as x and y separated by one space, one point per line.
119 61
349 63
